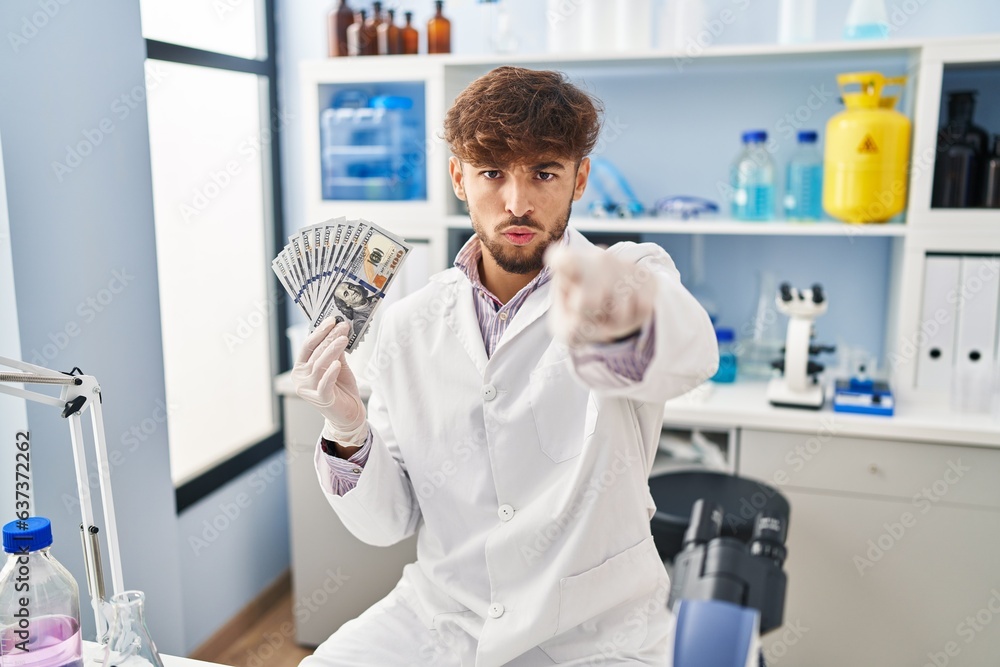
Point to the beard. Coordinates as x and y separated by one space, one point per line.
514 259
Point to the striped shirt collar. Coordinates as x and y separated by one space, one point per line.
468 258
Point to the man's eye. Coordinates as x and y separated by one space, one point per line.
546 176
491 174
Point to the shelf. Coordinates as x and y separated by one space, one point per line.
614 59
744 404
721 226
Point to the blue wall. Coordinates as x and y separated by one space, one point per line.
87 234
232 544
854 272
84 261
13 414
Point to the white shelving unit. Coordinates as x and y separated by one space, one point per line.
865 470
924 229
719 225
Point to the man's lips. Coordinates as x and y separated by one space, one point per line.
519 235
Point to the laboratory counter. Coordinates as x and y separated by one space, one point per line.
92 654
745 405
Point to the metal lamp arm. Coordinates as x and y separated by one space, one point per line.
79 393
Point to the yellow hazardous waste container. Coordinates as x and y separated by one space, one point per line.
867 152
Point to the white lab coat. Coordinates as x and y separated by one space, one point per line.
525 474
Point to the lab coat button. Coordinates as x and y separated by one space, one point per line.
489 392
506 512
496 610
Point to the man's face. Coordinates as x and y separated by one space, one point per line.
350 294
518 211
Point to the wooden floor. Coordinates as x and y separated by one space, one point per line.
267 642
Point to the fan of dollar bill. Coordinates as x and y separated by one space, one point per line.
341 269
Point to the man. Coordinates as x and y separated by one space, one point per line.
516 406
355 304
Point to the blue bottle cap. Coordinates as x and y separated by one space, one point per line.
808 136
725 335
754 136
29 534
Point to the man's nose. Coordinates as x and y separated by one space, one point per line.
517 199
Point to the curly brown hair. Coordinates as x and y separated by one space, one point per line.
512 115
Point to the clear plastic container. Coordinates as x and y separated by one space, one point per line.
372 143
804 180
752 179
797 21
867 19
39 601
727 355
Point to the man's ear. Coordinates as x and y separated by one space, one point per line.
582 174
457 177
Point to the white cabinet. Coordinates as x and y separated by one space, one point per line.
335 576
892 550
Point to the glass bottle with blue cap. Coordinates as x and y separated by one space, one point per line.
39 601
752 179
804 180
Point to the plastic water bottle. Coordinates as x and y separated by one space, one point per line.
727 355
867 19
39 601
752 179
804 180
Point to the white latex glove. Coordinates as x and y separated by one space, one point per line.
323 379
597 297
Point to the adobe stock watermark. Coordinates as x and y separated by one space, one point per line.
223 8
229 512
87 310
249 324
902 12
135 436
303 609
895 531
785 128
32 24
636 622
223 176
549 534
562 12
910 346
968 629
394 348
121 108
611 132
780 643
712 30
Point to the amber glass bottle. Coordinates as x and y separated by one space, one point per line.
355 34
438 31
337 24
369 32
409 37
388 36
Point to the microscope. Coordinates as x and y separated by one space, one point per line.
726 593
799 386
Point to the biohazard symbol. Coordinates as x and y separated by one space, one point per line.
868 145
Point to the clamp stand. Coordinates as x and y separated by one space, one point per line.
78 393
